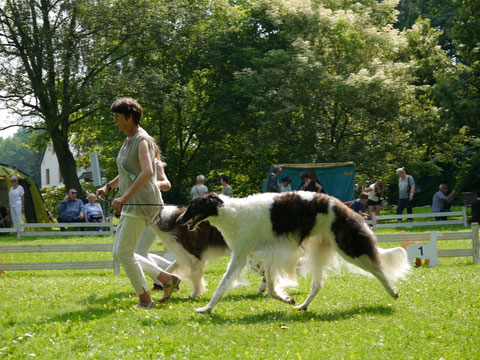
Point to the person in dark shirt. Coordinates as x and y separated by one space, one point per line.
272 184
4 217
308 184
358 205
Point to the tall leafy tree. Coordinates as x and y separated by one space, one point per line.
53 55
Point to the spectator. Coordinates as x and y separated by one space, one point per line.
442 202
72 209
406 190
227 189
375 196
286 184
272 180
309 184
93 211
199 188
4 217
358 205
17 203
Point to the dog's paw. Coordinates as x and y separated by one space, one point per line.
301 307
290 300
204 310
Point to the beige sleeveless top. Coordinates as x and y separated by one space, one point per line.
145 203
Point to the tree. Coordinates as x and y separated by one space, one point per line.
54 53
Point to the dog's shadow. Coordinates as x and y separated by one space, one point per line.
305 316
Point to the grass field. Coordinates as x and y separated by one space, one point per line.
89 315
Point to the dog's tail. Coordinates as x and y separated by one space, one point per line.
394 263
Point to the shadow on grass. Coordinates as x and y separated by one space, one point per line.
97 307
303 316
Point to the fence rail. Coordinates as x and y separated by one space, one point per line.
472 235
462 221
108 229
59 265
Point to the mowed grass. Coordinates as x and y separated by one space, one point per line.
80 314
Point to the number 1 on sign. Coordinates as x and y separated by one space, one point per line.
421 250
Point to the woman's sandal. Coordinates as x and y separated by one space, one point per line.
168 288
142 305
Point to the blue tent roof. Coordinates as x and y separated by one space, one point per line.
337 179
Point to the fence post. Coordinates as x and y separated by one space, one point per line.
18 227
475 243
464 216
111 225
374 221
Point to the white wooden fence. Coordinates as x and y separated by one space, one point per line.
429 219
59 265
107 229
425 237
110 264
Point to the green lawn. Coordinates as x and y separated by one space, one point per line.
89 315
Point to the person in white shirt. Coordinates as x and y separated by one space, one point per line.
93 211
17 203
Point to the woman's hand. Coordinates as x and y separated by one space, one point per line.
117 203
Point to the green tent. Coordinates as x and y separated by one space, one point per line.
337 179
35 211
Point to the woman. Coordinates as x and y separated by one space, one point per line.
93 211
199 188
17 203
309 184
375 195
139 200
153 264
406 190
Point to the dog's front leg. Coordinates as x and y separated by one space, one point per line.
235 265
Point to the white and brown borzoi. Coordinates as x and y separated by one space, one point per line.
192 250
280 228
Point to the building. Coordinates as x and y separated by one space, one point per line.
50 170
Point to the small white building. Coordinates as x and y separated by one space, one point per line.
50 170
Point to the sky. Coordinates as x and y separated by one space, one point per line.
4 117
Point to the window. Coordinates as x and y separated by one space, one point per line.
47 176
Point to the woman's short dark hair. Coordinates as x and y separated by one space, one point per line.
286 179
225 178
304 175
128 106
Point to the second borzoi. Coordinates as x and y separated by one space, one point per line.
280 228
192 250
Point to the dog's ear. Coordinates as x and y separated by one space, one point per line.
213 198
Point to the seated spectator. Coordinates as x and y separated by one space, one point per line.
226 187
4 217
72 209
442 202
358 205
93 211
309 184
286 184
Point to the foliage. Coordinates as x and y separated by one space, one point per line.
16 151
89 314
230 87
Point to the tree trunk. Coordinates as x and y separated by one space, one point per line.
67 164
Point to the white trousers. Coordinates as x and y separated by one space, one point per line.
129 230
151 264
17 218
